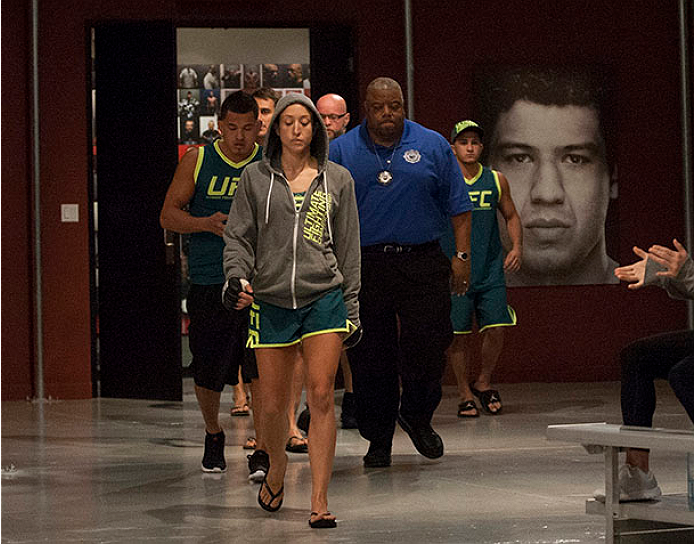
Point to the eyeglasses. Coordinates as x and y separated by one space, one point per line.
332 116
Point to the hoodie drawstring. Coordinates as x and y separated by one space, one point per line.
269 192
327 205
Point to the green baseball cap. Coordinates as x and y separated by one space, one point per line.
463 126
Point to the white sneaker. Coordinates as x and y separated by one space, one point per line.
634 485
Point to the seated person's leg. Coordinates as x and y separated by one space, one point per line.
681 380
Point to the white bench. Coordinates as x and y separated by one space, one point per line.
597 437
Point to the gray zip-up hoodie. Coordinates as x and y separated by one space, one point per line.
293 258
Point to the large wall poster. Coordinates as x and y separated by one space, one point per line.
203 88
551 131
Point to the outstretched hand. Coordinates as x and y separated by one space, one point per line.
672 260
633 273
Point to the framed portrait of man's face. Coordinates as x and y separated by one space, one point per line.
549 131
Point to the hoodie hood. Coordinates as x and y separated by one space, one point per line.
273 146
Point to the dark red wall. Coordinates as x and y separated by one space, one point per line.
565 333
17 342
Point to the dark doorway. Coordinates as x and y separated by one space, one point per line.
137 278
332 66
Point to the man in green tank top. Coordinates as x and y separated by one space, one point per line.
486 297
197 203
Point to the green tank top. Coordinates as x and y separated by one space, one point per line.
487 256
216 179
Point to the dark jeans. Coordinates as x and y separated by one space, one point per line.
668 356
404 307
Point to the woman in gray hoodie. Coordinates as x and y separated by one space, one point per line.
292 252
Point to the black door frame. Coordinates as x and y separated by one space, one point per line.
137 301
332 70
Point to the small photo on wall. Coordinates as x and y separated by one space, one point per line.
188 103
189 131
296 76
251 77
231 76
210 101
208 129
188 77
271 76
212 78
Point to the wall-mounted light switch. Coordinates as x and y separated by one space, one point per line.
69 213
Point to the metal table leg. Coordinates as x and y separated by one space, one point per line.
611 492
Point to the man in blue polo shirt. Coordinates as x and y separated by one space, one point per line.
408 187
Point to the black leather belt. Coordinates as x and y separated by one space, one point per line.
398 248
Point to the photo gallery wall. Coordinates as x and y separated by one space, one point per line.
203 87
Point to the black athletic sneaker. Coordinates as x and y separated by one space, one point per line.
258 465
348 417
213 460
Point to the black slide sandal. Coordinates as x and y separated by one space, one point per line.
466 406
486 398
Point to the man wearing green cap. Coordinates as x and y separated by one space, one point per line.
486 296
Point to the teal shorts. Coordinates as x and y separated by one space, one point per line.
271 326
489 308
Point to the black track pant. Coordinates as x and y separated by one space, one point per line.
668 356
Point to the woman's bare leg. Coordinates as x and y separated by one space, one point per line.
295 398
275 370
321 357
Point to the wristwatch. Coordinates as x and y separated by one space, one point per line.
462 255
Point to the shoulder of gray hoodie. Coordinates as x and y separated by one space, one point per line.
263 181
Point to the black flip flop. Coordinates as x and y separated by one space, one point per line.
273 496
322 523
293 447
486 398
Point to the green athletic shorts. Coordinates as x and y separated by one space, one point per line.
271 326
489 308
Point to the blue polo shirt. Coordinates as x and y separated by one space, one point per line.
427 187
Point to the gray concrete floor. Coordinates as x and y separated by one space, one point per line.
128 471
